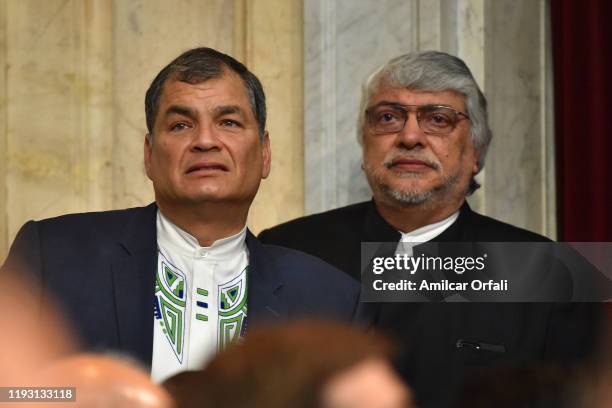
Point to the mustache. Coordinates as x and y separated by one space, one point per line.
395 156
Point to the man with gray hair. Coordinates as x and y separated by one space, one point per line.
424 135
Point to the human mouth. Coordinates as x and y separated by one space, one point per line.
206 168
409 165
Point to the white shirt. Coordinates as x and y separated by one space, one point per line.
200 298
424 234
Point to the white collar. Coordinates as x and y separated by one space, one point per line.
430 231
169 235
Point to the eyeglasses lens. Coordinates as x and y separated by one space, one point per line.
432 119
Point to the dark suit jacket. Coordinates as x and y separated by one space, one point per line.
432 362
100 268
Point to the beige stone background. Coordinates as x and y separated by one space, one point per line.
74 74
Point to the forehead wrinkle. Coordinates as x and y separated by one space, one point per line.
386 103
227 110
181 110
450 104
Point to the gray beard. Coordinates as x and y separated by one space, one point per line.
414 196
410 197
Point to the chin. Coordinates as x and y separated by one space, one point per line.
204 195
415 187
407 197
411 193
207 198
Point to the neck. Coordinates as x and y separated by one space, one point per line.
409 217
207 222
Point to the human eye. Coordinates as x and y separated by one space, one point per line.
386 116
439 118
230 123
179 126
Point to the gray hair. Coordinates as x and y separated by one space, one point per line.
433 71
199 65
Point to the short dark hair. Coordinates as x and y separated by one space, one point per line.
199 65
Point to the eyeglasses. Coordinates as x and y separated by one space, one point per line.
432 119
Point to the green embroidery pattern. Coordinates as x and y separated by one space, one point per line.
170 295
232 309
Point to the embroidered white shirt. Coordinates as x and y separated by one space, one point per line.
200 298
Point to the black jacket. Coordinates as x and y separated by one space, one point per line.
529 333
101 267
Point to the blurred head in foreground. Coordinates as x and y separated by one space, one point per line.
37 350
33 333
301 365
596 391
103 381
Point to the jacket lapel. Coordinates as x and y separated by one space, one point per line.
265 286
376 229
134 284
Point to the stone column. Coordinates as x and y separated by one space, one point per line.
56 139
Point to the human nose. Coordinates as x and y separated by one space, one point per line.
205 139
411 134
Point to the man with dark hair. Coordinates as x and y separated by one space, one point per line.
174 282
424 135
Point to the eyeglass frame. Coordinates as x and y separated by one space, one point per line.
403 108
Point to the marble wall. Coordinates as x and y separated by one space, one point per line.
75 73
507 47
72 89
